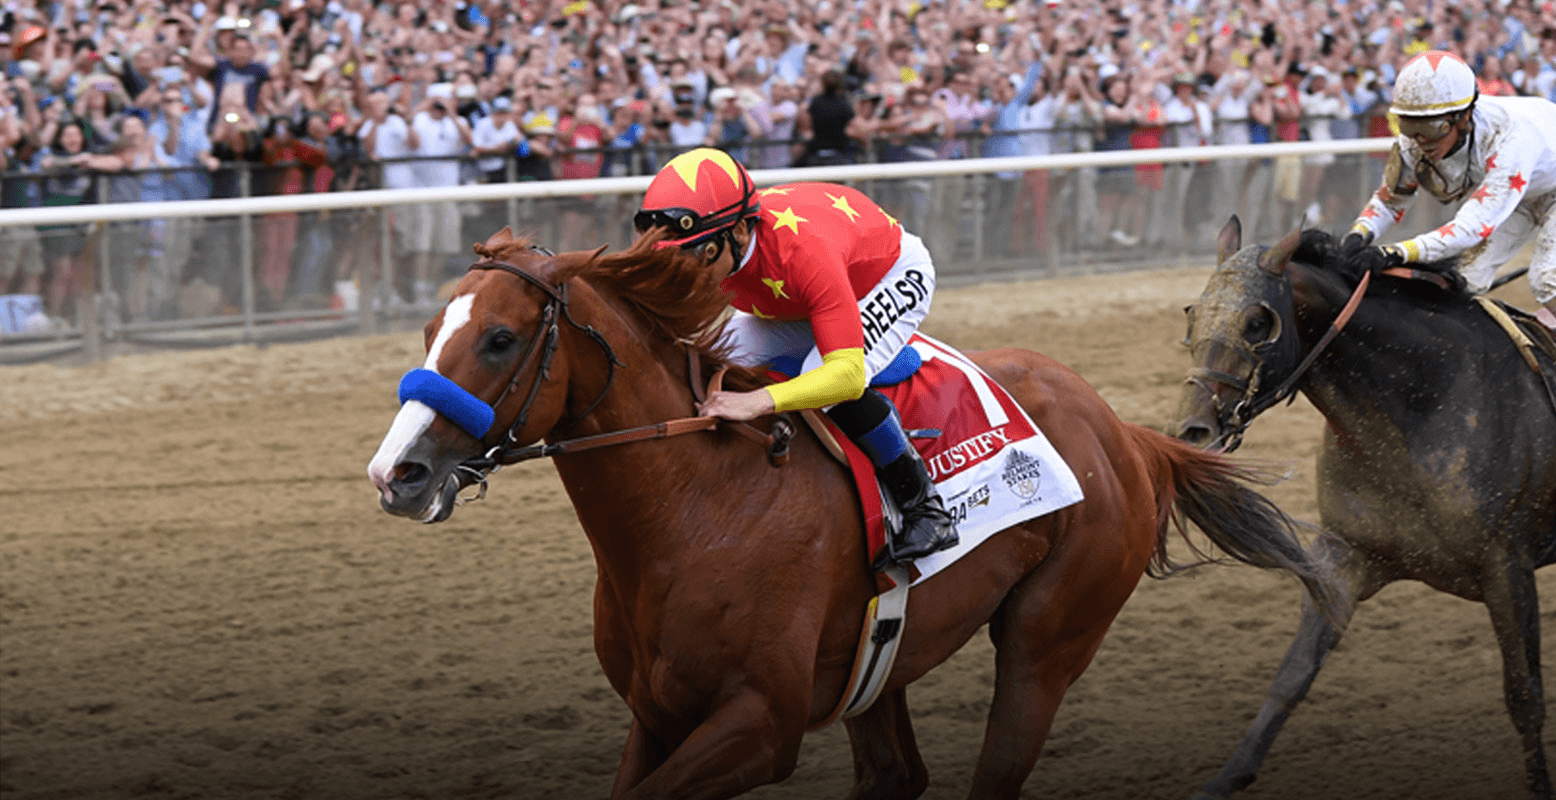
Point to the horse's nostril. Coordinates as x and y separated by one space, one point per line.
1195 434
410 473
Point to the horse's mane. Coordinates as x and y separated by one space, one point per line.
671 288
1320 249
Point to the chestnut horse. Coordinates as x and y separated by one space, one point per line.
1437 462
730 593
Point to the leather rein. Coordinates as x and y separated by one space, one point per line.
1248 405
544 345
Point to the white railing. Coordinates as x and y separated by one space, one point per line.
949 203
383 198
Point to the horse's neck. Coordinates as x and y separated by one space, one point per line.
1388 363
627 496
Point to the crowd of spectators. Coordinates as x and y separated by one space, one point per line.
193 99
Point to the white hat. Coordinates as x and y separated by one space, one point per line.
440 90
1106 71
320 64
721 94
1433 83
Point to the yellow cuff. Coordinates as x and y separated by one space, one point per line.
840 377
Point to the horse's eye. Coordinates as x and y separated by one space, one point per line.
501 342
1258 329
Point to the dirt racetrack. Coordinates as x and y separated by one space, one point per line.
199 598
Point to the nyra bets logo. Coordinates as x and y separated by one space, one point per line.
1023 474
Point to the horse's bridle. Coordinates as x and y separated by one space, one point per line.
1250 404
544 344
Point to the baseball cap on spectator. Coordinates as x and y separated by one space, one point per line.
1106 71
29 34
721 94
227 24
1182 79
540 124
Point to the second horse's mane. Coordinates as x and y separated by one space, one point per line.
1320 249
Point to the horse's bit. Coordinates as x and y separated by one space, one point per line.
545 344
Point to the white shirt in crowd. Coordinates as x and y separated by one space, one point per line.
439 137
488 133
393 142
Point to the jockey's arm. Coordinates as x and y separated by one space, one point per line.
840 377
1507 173
1388 204
839 335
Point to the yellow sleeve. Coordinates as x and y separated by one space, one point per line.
840 377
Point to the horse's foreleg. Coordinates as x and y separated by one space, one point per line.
745 743
886 758
642 755
1512 599
1315 638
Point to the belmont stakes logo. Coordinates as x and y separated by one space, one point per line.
1023 474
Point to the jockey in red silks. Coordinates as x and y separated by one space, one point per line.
1495 155
821 277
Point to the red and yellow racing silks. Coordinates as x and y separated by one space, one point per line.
820 249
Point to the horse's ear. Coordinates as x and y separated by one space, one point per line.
1230 240
1274 260
499 238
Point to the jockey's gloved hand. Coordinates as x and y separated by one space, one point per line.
1353 243
1375 259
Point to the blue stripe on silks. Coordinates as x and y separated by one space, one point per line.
884 442
449 399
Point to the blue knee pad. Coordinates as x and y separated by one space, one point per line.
885 442
449 399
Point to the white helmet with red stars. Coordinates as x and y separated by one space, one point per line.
1433 83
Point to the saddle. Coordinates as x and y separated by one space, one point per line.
1530 336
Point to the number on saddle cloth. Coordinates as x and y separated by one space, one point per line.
449 399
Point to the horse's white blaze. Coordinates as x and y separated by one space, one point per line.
455 316
413 420
415 417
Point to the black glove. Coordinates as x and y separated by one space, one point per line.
1376 259
1353 243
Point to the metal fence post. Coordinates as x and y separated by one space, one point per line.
510 165
384 288
246 253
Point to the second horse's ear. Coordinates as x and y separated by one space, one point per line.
1274 260
1230 240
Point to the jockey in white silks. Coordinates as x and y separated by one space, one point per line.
1495 154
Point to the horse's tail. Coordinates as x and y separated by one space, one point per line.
1210 490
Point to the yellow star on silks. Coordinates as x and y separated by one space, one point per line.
777 287
788 219
774 190
841 204
758 312
889 218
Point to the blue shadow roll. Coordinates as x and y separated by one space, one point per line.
449 399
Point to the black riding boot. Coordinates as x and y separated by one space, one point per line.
926 527
872 423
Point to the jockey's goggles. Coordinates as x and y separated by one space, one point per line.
687 227
1426 130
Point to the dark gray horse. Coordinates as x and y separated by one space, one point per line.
1438 461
